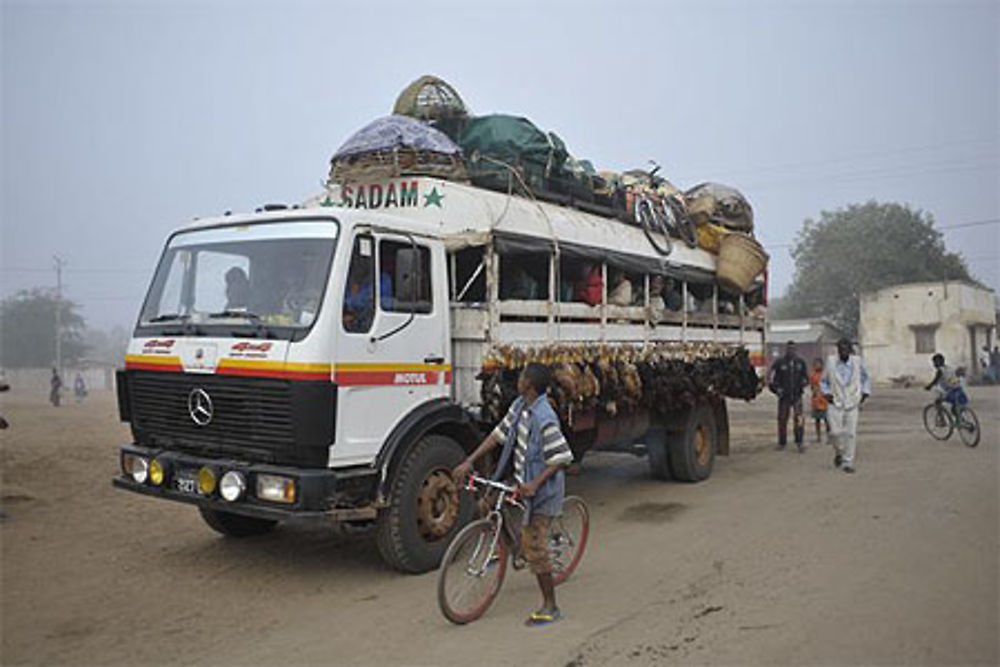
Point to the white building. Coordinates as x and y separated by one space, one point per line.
902 326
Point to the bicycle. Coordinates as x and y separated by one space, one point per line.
941 422
475 563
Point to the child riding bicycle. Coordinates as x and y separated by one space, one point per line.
949 384
535 453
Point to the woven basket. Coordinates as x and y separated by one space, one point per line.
741 259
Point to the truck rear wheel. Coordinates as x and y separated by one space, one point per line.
426 507
656 450
235 525
691 450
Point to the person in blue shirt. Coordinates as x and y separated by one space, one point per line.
535 453
846 385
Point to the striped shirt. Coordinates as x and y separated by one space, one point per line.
554 446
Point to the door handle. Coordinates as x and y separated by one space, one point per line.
433 360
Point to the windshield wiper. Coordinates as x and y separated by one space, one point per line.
222 314
169 317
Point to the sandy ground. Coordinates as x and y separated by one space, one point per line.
777 559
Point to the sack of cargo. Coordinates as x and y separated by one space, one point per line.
433 100
741 259
719 204
396 146
494 145
710 236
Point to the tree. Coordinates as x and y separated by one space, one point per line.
28 330
862 248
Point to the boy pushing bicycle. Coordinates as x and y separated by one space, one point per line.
536 453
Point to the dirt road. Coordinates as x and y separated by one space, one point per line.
777 559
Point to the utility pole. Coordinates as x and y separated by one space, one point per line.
59 264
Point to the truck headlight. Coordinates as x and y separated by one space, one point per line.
206 481
157 472
275 488
233 485
136 466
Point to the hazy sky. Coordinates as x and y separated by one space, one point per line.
124 120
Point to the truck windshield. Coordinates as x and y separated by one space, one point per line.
243 278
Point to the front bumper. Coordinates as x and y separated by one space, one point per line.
318 491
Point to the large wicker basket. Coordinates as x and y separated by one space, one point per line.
741 259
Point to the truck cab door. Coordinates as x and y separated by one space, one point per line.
392 351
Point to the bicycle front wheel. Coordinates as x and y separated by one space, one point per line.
968 427
568 535
471 572
937 422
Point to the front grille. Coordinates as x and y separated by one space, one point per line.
252 417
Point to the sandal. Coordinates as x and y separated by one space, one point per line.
543 617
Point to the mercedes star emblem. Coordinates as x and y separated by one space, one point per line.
200 406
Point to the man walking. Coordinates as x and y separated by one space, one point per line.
787 379
846 386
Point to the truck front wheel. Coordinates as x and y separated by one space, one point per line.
236 525
426 508
692 449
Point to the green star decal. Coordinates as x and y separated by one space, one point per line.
433 197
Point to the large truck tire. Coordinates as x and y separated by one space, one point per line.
691 450
236 525
426 508
657 455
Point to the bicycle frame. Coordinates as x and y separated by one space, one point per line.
507 494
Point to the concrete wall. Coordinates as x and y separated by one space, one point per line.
961 316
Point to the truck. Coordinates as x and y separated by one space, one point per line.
326 360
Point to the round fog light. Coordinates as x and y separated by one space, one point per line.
206 481
232 486
139 468
156 472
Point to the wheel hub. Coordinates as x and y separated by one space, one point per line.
702 451
437 505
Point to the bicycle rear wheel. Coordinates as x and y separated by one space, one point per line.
937 422
652 222
471 572
568 535
968 427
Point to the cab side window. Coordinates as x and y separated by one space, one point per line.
404 277
359 294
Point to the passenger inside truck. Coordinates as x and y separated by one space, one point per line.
524 276
359 294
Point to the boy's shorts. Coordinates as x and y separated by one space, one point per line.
535 544
819 414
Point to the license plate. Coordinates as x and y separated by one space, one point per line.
186 484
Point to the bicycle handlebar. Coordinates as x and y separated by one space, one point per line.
476 479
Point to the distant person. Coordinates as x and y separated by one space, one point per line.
672 295
819 403
359 301
590 288
993 370
846 386
788 379
657 306
3 387
620 293
79 388
237 289
55 385
386 293
948 383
